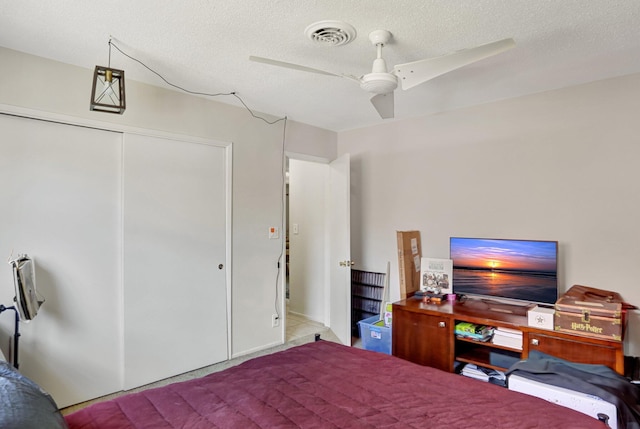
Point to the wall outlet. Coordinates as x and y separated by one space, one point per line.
275 321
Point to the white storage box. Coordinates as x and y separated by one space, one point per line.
540 317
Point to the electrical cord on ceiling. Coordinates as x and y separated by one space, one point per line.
234 94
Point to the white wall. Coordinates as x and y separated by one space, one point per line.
560 165
307 209
50 86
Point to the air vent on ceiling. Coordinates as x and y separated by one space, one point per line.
330 33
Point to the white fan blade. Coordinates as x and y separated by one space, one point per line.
417 72
291 66
301 68
384 105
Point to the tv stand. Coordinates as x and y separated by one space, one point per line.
494 305
424 333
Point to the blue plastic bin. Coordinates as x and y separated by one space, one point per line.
375 336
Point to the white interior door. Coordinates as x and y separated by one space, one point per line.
340 248
175 303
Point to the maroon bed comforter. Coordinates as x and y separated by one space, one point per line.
326 385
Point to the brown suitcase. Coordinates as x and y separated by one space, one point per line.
593 312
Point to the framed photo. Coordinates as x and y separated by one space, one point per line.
436 275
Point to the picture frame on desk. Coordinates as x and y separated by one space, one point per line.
436 275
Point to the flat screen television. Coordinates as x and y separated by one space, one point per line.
506 269
24 278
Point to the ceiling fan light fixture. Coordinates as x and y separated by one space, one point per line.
330 33
379 83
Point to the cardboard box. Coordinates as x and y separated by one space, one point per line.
409 254
589 311
540 317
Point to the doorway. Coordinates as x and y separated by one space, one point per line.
306 243
311 238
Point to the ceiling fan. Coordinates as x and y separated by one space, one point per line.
382 83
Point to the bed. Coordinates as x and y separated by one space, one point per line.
327 385
23 404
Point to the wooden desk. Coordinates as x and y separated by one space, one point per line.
424 333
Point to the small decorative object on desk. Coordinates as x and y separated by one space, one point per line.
540 317
436 275
431 297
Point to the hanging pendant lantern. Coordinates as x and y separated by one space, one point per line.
107 93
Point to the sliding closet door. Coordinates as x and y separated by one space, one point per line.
60 193
174 254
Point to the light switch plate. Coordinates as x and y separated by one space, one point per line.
274 233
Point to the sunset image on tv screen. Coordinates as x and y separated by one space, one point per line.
516 269
504 254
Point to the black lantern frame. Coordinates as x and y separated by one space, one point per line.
107 93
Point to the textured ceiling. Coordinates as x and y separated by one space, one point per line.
204 45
